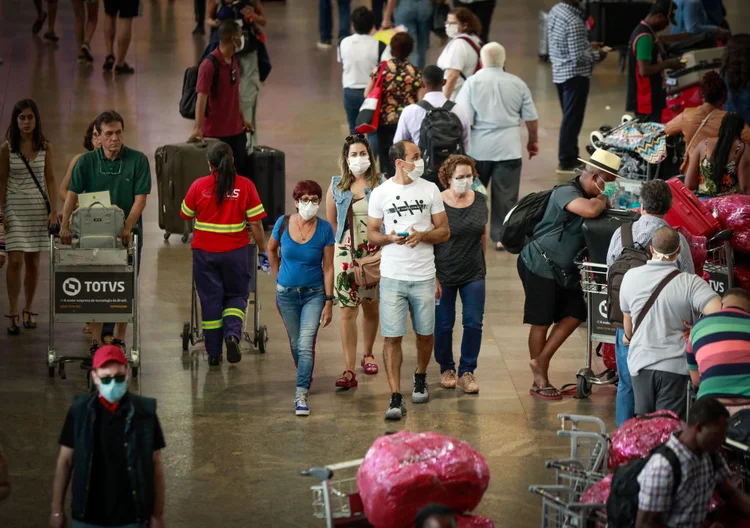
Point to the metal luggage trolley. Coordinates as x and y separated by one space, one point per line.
337 501
720 261
93 285
562 506
588 447
737 456
192 332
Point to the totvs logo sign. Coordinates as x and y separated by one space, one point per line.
94 293
72 287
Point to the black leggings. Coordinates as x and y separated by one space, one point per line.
385 141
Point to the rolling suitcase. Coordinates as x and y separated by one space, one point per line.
598 232
687 211
543 50
269 176
177 167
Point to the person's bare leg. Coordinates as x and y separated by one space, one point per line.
96 333
30 281
349 336
13 280
109 34
424 352
537 340
52 11
92 18
124 34
393 358
371 320
79 11
559 334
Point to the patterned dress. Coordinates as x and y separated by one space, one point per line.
25 208
347 293
729 182
401 82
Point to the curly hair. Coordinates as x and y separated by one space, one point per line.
713 89
735 67
449 167
468 19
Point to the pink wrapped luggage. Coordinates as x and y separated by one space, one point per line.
638 436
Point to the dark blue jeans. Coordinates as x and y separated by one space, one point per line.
625 403
416 15
325 19
353 99
573 95
472 300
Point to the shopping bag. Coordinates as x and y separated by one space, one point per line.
369 113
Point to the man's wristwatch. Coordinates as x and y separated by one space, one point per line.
329 298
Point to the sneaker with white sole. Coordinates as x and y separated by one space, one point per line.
448 379
420 393
397 408
468 383
301 408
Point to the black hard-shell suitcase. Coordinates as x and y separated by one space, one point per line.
269 176
598 232
177 167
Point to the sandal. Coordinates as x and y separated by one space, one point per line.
368 366
109 63
348 380
38 23
28 323
548 393
13 328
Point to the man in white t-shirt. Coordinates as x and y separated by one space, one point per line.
460 58
410 213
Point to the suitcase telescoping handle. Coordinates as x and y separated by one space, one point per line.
171 190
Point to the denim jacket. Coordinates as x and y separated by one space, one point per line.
139 437
343 200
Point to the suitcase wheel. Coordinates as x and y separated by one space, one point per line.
185 238
167 235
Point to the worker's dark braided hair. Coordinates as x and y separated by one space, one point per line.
731 128
222 161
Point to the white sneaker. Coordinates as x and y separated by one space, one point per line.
420 393
301 408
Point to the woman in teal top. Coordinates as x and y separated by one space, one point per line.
301 255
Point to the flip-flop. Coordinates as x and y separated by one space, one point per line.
536 391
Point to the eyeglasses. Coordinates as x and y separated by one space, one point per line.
233 77
314 201
355 137
106 380
119 169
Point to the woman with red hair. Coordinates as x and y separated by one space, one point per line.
301 255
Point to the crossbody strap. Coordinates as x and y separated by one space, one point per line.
36 181
651 300
626 235
700 127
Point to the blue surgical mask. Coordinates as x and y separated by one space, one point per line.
113 391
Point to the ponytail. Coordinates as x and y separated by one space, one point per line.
220 157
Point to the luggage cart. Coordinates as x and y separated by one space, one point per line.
92 285
588 447
337 501
257 336
720 261
737 456
562 506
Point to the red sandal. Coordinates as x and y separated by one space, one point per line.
368 366
348 380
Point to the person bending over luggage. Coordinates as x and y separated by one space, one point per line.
301 254
126 175
664 502
91 141
656 200
222 204
657 303
547 270
721 165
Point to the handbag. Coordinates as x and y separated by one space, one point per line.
566 278
38 185
368 118
366 270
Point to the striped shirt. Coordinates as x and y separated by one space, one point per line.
2 236
569 49
719 349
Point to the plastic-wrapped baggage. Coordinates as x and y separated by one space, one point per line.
599 492
687 211
733 212
474 521
638 436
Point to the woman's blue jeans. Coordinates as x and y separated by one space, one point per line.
416 15
325 19
472 299
353 99
625 408
300 309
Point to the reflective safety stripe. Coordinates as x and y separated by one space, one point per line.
255 211
212 325
186 210
233 312
220 228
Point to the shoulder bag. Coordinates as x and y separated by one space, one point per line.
366 270
651 300
368 118
36 181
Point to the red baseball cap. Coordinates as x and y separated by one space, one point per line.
108 353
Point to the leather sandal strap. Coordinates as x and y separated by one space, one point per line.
30 313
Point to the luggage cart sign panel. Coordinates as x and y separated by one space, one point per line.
93 293
601 328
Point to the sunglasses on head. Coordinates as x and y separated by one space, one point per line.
355 137
106 380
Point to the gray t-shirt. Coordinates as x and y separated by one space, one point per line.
562 234
659 344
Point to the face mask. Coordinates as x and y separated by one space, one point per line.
359 165
599 188
451 30
460 186
418 170
609 189
309 210
655 255
113 391
237 49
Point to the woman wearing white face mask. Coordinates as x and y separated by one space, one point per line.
460 57
301 255
461 271
347 201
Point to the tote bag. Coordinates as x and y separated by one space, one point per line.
368 118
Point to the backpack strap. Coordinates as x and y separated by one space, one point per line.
626 235
651 300
217 68
425 105
476 48
668 453
448 105
282 227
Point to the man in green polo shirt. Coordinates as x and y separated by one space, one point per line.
122 171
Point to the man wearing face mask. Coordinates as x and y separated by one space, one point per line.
406 217
218 113
658 302
111 444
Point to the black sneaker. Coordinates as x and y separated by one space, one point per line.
214 361
233 350
109 63
420 394
120 343
125 68
86 53
50 36
397 409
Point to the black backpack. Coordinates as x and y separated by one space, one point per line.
440 135
622 504
189 96
631 257
739 427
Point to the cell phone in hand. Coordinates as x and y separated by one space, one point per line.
607 49
403 233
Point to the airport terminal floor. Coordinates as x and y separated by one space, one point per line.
234 446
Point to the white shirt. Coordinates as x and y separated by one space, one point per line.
459 55
411 119
402 207
358 54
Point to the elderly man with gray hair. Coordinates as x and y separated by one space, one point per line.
497 102
659 303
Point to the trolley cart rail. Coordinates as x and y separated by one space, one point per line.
720 261
192 332
562 506
93 285
737 456
588 447
337 501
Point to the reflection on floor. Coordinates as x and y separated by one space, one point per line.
234 447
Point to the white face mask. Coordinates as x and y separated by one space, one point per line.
460 186
239 48
655 255
359 165
418 170
451 30
308 210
